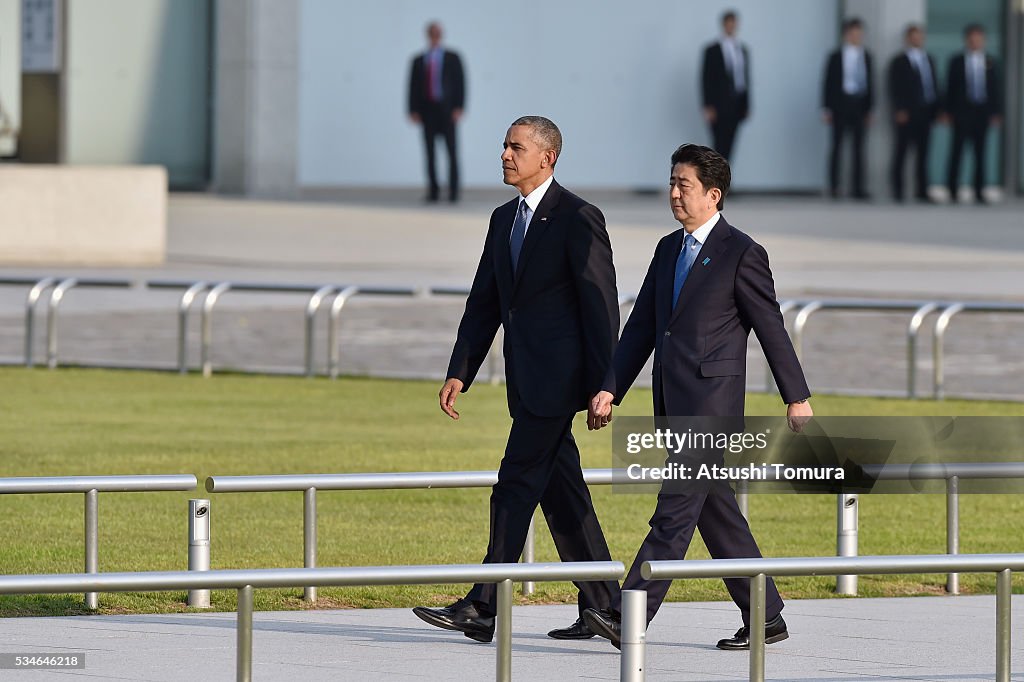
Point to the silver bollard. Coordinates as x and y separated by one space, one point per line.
846 539
528 585
758 585
633 636
199 548
953 529
92 543
503 632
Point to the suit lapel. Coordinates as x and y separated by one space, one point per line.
542 217
502 251
704 266
667 274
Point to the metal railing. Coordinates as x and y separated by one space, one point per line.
92 486
310 484
245 581
758 569
58 288
919 310
942 324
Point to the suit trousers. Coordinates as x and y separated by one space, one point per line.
542 466
723 133
915 133
437 122
848 119
972 126
725 532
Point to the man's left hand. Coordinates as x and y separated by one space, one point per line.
798 414
456 115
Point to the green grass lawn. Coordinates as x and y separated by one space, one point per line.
77 422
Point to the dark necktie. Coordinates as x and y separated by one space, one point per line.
518 233
684 262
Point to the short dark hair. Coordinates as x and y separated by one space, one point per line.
852 23
729 15
711 167
545 132
912 28
973 28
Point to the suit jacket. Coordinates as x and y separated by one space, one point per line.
718 88
832 91
453 84
700 345
958 102
906 90
560 308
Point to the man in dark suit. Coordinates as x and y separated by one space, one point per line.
437 96
708 285
973 102
546 276
847 98
914 92
726 84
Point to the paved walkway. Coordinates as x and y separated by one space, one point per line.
818 249
938 639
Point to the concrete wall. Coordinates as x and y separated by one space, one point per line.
256 97
101 215
137 85
620 79
10 69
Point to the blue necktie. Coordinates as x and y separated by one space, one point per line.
684 262
519 233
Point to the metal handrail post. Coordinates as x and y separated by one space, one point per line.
34 294
912 331
528 585
757 619
503 632
206 324
799 323
953 529
56 296
243 654
92 538
493 353
1004 587
633 638
333 353
312 308
938 344
743 498
309 539
184 307
846 538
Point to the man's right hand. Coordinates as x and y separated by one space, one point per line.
599 412
449 392
902 116
710 114
414 117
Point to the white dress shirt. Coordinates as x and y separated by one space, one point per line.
975 68
702 232
732 52
855 72
532 200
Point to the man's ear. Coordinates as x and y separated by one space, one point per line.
716 195
549 158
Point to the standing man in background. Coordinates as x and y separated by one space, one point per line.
437 95
973 103
726 82
847 98
914 92
546 277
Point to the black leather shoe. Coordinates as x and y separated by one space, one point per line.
606 624
774 631
577 630
461 616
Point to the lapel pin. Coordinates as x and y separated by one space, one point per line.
543 219
705 261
